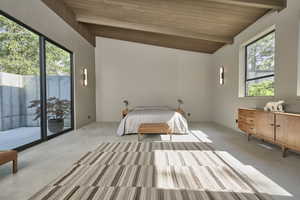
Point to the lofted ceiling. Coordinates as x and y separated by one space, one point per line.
196 25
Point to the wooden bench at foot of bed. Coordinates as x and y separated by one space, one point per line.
154 128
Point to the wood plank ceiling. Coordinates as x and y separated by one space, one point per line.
196 25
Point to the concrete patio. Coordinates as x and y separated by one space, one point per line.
17 137
13 138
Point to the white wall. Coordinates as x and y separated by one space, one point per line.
225 98
38 16
150 75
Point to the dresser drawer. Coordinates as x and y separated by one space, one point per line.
250 120
248 113
247 120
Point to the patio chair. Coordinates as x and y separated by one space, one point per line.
7 156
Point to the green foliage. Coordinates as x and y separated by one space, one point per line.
57 60
19 52
19 49
265 88
261 54
261 62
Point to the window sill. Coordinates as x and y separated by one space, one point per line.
258 98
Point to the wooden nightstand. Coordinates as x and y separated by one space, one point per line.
125 112
181 111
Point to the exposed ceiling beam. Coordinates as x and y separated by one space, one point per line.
269 4
156 39
67 14
150 28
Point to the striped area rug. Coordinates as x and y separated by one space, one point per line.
151 171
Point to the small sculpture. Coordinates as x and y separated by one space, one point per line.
274 106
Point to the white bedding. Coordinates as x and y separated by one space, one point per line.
134 119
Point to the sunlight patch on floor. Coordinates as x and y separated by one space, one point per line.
234 175
190 137
200 135
212 163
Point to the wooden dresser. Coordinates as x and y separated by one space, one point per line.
278 128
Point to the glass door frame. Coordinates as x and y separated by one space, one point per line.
44 90
43 81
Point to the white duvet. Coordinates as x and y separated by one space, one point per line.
135 118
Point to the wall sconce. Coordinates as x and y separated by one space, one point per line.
221 74
84 78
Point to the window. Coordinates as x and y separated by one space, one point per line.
36 87
260 62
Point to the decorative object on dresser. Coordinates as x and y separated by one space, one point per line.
8 156
274 106
279 128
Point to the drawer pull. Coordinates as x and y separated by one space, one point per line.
271 124
278 126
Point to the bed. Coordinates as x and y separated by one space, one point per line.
132 120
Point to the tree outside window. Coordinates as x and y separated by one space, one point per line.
260 62
19 51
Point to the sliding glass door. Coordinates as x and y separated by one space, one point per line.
58 87
36 95
19 85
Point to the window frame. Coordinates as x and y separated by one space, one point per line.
43 88
44 94
246 64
